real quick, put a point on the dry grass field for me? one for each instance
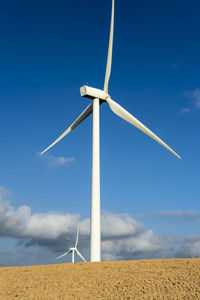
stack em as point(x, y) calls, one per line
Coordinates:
point(146, 279)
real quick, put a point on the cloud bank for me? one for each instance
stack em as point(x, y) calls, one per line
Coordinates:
point(40, 237)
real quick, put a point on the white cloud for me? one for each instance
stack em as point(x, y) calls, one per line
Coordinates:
point(185, 111)
point(144, 245)
point(4, 193)
point(119, 225)
point(190, 246)
point(20, 223)
point(195, 97)
point(52, 233)
point(55, 161)
point(185, 215)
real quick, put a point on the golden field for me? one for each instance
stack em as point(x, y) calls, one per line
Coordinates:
point(141, 279)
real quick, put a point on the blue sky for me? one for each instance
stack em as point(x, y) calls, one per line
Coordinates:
point(48, 50)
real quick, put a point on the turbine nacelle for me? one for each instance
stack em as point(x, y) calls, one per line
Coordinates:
point(92, 93)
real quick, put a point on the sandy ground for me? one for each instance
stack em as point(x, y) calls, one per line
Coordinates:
point(147, 279)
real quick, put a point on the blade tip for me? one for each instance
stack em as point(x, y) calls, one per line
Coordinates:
point(41, 153)
point(179, 157)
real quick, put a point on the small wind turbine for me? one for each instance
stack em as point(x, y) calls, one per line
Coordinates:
point(98, 97)
point(74, 249)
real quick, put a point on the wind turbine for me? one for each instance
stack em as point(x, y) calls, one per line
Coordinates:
point(98, 97)
point(74, 249)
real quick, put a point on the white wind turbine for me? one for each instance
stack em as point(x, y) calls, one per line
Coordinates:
point(98, 97)
point(74, 249)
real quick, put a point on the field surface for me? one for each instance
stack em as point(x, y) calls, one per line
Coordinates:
point(146, 279)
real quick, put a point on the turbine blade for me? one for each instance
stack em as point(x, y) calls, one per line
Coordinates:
point(121, 112)
point(82, 117)
point(63, 254)
point(77, 236)
point(110, 49)
point(80, 255)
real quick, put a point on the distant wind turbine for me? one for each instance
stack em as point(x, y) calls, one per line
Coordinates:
point(98, 97)
point(74, 249)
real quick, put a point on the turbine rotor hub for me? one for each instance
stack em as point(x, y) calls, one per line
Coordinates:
point(72, 249)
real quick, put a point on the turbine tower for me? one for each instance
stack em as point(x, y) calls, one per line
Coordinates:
point(74, 249)
point(98, 97)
